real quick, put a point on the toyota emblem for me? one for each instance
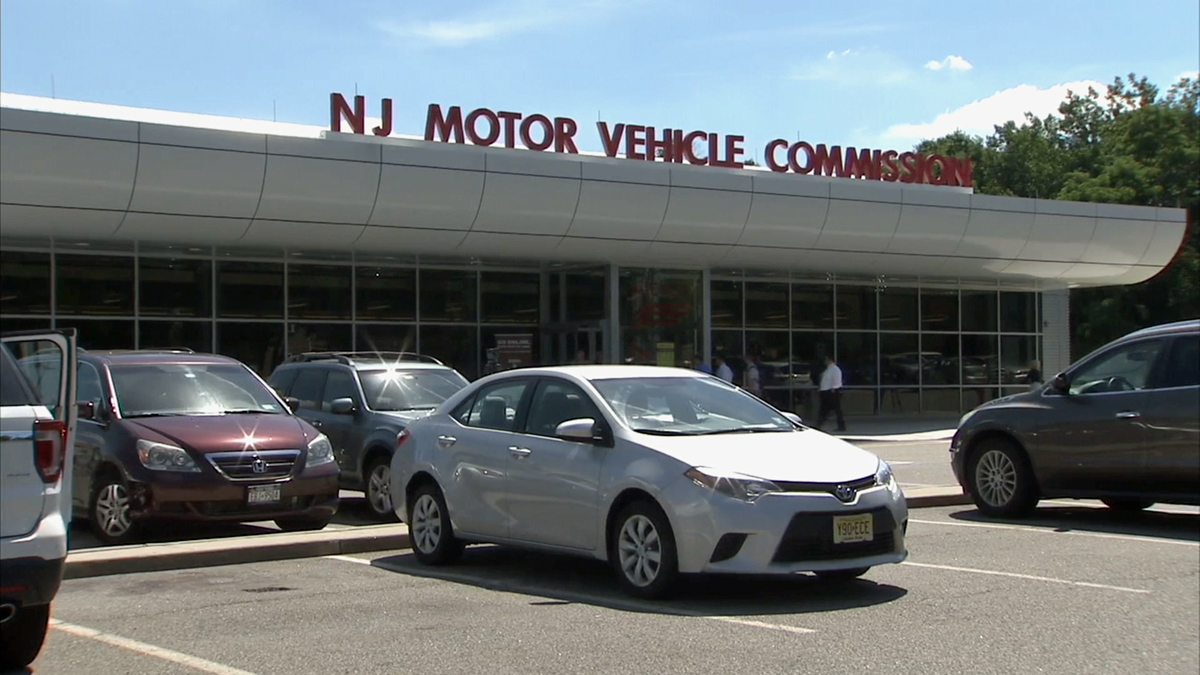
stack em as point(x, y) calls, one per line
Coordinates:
point(259, 465)
point(845, 493)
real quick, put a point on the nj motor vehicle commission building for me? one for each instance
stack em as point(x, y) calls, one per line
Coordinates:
point(493, 242)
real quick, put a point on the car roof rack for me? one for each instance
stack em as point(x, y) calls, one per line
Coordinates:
point(149, 350)
point(351, 358)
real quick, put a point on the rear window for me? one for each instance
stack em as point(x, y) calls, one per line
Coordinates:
point(14, 389)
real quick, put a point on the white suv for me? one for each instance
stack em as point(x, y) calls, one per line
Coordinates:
point(37, 428)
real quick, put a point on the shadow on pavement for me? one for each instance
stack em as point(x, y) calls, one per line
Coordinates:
point(569, 580)
point(1161, 524)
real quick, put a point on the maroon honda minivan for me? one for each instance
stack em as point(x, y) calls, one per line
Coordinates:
point(173, 435)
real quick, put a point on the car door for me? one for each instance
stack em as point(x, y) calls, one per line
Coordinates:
point(553, 483)
point(472, 454)
point(1094, 434)
point(1172, 422)
point(92, 432)
point(308, 390)
point(339, 427)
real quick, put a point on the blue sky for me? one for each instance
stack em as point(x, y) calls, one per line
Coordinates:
point(870, 74)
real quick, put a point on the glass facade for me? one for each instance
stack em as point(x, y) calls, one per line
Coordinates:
point(903, 347)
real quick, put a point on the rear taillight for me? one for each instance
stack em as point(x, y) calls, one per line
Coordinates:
point(49, 448)
point(401, 437)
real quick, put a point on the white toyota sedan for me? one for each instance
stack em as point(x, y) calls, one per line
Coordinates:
point(660, 471)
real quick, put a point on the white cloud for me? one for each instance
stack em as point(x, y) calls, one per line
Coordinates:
point(498, 21)
point(950, 63)
point(854, 67)
point(980, 117)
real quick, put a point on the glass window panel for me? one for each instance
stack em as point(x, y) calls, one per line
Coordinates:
point(974, 397)
point(773, 350)
point(385, 338)
point(1018, 312)
point(808, 357)
point(1184, 367)
point(726, 303)
point(900, 358)
point(1123, 368)
point(249, 290)
point(106, 334)
point(24, 282)
point(856, 308)
point(899, 401)
point(448, 295)
point(319, 291)
point(939, 310)
point(979, 313)
point(858, 402)
point(812, 306)
point(662, 308)
point(339, 384)
point(175, 287)
point(309, 386)
point(585, 296)
point(980, 360)
point(386, 293)
point(319, 337)
point(194, 335)
point(766, 305)
point(728, 344)
point(555, 288)
point(258, 345)
point(90, 285)
point(898, 309)
point(940, 401)
point(856, 357)
point(511, 297)
point(9, 324)
point(940, 362)
point(1018, 356)
point(456, 346)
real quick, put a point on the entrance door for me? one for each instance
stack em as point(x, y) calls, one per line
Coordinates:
point(570, 343)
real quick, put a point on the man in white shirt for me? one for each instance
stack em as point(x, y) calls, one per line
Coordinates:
point(723, 370)
point(831, 394)
point(752, 378)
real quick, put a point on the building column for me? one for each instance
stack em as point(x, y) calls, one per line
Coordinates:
point(1056, 332)
point(706, 315)
point(612, 300)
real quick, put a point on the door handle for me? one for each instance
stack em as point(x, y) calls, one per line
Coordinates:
point(1129, 415)
point(446, 441)
point(519, 453)
point(316, 423)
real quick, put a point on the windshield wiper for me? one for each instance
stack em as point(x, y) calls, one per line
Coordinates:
point(743, 430)
point(158, 414)
point(251, 411)
point(663, 432)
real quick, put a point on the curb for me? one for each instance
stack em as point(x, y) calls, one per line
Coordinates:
point(114, 560)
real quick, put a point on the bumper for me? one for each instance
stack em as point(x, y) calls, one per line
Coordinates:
point(958, 460)
point(782, 533)
point(314, 497)
point(29, 582)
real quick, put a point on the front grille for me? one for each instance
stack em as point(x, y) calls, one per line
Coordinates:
point(858, 485)
point(252, 465)
point(809, 537)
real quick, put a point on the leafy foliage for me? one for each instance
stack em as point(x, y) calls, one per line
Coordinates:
point(1127, 145)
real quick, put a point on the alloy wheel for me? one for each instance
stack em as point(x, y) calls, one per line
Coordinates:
point(996, 478)
point(112, 510)
point(426, 523)
point(379, 489)
point(639, 550)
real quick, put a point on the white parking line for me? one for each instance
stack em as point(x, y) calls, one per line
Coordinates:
point(1045, 530)
point(1027, 577)
point(194, 662)
point(589, 599)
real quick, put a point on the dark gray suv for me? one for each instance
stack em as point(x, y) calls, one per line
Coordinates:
point(1121, 425)
point(362, 401)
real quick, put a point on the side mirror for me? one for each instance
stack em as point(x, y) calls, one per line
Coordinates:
point(85, 410)
point(793, 417)
point(341, 406)
point(583, 430)
point(1060, 384)
point(292, 402)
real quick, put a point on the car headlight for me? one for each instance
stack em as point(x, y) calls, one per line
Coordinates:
point(883, 474)
point(738, 486)
point(165, 457)
point(320, 451)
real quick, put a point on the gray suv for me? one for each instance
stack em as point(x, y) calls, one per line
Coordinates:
point(361, 401)
point(1121, 425)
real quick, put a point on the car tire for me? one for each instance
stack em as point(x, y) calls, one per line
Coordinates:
point(842, 576)
point(302, 523)
point(1127, 504)
point(1000, 479)
point(429, 528)
point(377, 479)
point(22, 637)
point(108, 510)
point(641, 533)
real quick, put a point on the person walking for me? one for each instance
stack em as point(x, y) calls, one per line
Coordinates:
point(830, 393)
point(1034, 378)
point(752, 377)
point(701, 365)
point(722, 369)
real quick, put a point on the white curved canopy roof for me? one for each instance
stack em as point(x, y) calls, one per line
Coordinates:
point(75, 171)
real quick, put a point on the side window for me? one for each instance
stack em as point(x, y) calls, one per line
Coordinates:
point(89, 388)
point(1126, 368)
point(309, 386)
point(1183, 370)
point(340, 384)
point(281, 380)
point(13, 385)
point(496, 406)
point(462, 413)
point(556, 402)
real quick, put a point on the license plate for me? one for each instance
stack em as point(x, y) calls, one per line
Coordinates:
point(852, 529)
point(262, 494)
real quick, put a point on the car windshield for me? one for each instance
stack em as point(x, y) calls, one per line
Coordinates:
point(162, 389)
point(397, 390)
point(688, 406)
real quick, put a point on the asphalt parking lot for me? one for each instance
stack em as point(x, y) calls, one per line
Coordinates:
point(1077, 589)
